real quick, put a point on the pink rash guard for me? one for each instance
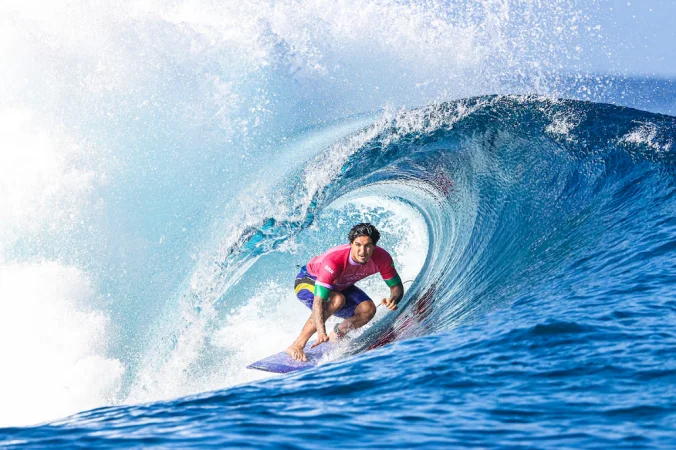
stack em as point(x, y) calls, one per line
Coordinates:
point(335, 270)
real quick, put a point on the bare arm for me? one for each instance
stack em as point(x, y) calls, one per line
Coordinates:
point(318, 315)
point(396, 293)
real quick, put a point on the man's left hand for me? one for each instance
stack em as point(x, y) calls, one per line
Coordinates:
point(389, 303)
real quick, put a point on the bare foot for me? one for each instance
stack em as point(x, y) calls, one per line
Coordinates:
point(296, 353)
point(333, 337)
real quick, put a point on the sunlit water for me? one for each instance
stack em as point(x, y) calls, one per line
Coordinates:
point(166, 167)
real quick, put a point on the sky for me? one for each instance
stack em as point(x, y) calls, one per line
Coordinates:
point(640, 36)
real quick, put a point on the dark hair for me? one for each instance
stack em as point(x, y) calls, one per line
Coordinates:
point(364, 229)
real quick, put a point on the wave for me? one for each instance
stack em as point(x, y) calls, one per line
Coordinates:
point(516, 198)
point(152, 198)
point(547, 225)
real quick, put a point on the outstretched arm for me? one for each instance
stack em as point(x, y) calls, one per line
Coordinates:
point(396, 293)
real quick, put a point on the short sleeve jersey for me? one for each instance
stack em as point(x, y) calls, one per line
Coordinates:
point(335, 269)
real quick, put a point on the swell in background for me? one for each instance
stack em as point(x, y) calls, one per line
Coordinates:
point(142, 141)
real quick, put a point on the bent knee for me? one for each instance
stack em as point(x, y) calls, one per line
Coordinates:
point(337, 300)
point(368, 309)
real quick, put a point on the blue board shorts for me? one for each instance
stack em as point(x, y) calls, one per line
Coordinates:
point(305, 291)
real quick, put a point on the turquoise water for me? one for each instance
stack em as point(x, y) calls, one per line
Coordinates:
point(169, 166)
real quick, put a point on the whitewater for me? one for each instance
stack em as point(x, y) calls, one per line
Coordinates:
point(166, 166)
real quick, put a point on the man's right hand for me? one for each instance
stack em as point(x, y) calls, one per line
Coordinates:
point(321, 338)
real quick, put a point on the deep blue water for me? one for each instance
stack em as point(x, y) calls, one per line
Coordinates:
point(166, 166)
point(543, 315)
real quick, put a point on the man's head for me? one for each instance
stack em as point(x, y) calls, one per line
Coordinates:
point(363, 239)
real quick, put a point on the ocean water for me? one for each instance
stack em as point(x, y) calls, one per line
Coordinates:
point(165, 166)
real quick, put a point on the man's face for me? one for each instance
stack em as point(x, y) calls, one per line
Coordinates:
point(361, 249)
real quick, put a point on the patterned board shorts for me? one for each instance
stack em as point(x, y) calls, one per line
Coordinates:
point(305, 291)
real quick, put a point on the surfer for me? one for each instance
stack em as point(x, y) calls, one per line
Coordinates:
point(326, 286)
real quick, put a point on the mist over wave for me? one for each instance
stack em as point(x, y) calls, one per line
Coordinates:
point(165, 166)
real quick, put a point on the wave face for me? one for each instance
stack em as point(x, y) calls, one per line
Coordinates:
point(166, 165)
point(541, 235)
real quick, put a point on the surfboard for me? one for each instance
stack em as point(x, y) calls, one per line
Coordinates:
point(283, 363)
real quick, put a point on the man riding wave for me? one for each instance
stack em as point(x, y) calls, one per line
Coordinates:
point(326, 286)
